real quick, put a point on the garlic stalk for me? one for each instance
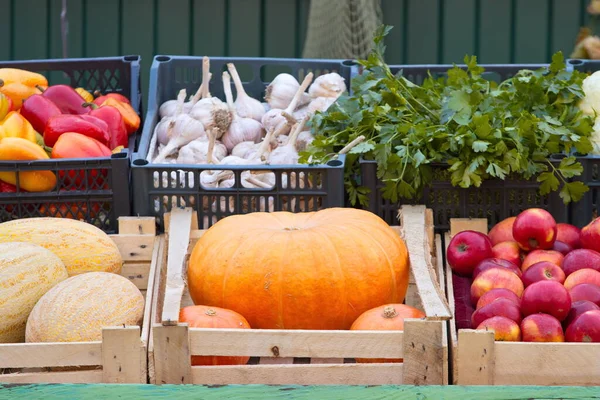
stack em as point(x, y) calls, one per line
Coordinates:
point(241, 129)
point(273, 118)
point(320, 104)
point(281, 91)
point(328, 85)
point(169, 108)
point(251, 150)
point(246, 106)
point(196, 152)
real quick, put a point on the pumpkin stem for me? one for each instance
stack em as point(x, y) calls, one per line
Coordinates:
point(210, 312)
point(389, 312)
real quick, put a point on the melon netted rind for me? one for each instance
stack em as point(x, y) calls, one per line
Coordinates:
point(78, 308)
point(27, 272)
point(81, 246)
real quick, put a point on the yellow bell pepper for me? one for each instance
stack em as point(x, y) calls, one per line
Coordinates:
point(87, 96)
point(27, 78)
point(19, 149)
point(16, 126)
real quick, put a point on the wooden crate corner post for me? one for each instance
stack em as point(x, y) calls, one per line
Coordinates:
point(123, 355)
point(475, 357)
point(171, 338)
point(424, 352)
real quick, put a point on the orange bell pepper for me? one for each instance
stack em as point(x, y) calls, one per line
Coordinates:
point(19, 149)
point(15, 125)
point(6, 105)
point(130, 117)
point(27, 78)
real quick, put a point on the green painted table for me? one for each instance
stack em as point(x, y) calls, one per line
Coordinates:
point(198, 392)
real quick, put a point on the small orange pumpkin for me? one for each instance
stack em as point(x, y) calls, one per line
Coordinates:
point(214, 317)
point(389, 317)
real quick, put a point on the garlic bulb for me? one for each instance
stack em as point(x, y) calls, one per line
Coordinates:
point(304, 139)
point(161, 128)
point(266, 106)
point(180, 132)
point(320, 104)
point(288, 154)
point(328, 85)
point(196, 152)
point(241, 129)
point(273, 118)
point(301, 113)
point(213, 113)
point(256, 151)
point(281, 91)
point(246, 106)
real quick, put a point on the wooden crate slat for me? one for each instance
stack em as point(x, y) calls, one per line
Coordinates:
point(305, 374)
point(94, 376)
point(36, 355)
point(134, 247)
point(296, 343)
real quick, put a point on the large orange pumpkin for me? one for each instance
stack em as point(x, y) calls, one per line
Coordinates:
point(389, 317)
point(214, 317)
point(317, 270)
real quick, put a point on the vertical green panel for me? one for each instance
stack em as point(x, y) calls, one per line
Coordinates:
point(244, 28)
point(565, 26)
point(280, 28)
point(173, 27)
point(137, 32)
point(102, 28)
point(75, 28)
point(393, 14)
point(30, 29)
point(531, 31)
point(209, 28)
point(494, 38)
point(423, 32)
point(459, 30)
point(5, 29)
point(302, 17)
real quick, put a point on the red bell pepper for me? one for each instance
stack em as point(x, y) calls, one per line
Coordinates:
point(101, 97)
point(76, 145)
point(66, 99)
point(60, 124)
point(38, 109)
point(116, 125)
point(130, 117)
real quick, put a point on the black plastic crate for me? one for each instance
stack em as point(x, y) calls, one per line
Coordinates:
point(159, 187)
point(95, 190)
point(495, 199)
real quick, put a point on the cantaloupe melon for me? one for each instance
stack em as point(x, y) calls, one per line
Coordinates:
point(81, 246)
point(79, 307)
point(27, 272)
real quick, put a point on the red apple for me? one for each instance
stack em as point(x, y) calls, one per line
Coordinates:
point(562, 247)
point(499, 307)
point(535, 228)
point(585, 291)
point(585, 328)
point(549, 297)
point(495, 278)
point(502, 231)
point(544, 270)
point(505, 330)
point(578, 308)
point(466, 250)
point(498, 293)
point(509, 251)
point(590, 235)
point(586, 275)
point(537, 256)
point(568, 234)
point(495, 263)
point(580, 259)
point(541, 328)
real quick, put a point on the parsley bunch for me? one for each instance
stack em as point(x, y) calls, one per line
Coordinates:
point(479, 128)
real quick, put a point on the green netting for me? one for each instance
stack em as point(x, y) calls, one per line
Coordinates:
point(341, 28)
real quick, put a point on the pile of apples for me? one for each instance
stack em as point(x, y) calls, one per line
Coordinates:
point(533, 280)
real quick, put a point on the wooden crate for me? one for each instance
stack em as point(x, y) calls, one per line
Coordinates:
point(300, 356)
point(122, 355)
point(477, 359)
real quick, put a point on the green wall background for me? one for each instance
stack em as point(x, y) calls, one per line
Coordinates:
point(426, 31)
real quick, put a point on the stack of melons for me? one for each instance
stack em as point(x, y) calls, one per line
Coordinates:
point(60, 282)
